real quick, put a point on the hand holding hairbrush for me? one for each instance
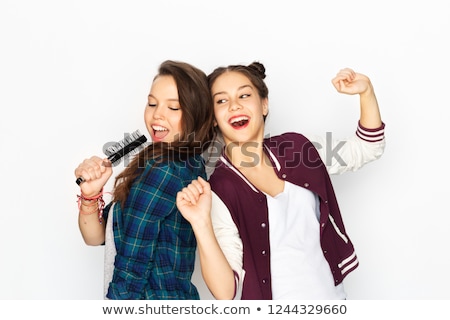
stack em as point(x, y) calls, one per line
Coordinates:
point(130, 145)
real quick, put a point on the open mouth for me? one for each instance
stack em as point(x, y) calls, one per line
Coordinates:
point(159, 132)
point(239, 122)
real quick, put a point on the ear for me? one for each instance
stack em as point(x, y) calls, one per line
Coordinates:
point(265, 106)
point(215, 122)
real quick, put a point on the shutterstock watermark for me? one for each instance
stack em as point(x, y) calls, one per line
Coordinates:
point(330, 150)
point(289, 152)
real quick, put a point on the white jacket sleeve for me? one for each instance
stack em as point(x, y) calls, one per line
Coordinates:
point(230, 242)
point(350, 154)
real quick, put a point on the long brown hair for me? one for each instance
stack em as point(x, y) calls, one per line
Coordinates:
point(197, 129)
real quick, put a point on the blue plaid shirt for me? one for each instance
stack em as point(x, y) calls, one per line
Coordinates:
point(155, 244)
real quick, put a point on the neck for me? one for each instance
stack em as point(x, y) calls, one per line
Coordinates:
point(245, 154)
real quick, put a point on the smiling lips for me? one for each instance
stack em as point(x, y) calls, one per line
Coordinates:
point(239, 122)
point(159, 132)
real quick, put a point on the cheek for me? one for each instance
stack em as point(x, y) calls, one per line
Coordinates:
point(176, 122)
point(148, 119)
point(147, 114)
point(219, 116)
point(221, 120)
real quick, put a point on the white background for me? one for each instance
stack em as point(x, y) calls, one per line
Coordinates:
point(75, 75)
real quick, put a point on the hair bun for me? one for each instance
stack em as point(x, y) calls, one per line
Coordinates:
point(258, 68)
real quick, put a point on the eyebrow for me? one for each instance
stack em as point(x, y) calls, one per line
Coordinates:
point(240, 88)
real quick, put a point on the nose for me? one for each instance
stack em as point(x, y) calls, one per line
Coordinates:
point(234, 105)
point(158, 113)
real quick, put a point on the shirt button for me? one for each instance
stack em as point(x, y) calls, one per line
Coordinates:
point(284, 175)
point(263, 225)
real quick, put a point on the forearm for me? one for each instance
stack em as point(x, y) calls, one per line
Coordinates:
point(92, 231)
point(216, 271)
point(370, 113)
point(90, 218)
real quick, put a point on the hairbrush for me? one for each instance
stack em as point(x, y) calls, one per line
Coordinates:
point(132, 144)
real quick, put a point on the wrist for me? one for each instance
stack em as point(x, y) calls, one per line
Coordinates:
point(91, 204)
point(91, 195)
point(368, 93)
point(201, 224)
point(88, 203)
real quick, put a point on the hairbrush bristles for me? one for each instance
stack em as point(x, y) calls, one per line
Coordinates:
point(131, 144)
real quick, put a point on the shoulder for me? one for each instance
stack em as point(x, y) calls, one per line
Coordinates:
point(190, 169)
point(223, 179)
point(226, 187)
point(287, 136)
point(193, 163)
point(288, 140)
point(292, 148)
point(221, 174)
point(175, 171)
point(158, 174)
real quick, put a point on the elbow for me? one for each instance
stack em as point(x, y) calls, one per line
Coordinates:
point(224, 296)
point(224, 290)
point(93, 241)
point(93, 244)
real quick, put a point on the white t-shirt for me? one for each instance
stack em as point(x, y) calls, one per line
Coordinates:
point(298, 267)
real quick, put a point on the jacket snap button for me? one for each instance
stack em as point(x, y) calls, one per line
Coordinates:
point(284, 175)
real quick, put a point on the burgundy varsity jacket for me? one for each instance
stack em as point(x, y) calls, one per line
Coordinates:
point(296, 160)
